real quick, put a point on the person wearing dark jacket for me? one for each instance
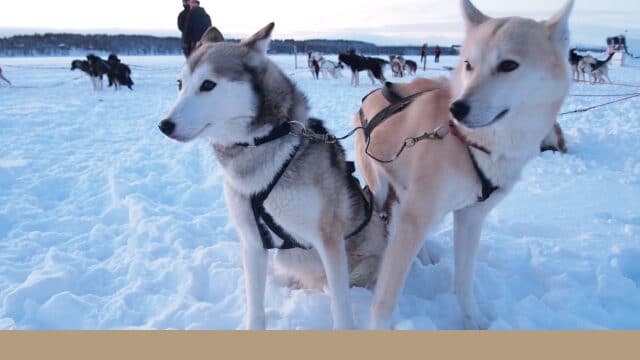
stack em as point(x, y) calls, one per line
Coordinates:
point(197, 21)
point(182, 19)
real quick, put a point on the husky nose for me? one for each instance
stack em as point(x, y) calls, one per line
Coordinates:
point(459, 109)
point(167, 126)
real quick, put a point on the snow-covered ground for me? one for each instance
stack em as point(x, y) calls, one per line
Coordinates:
point(107, 224)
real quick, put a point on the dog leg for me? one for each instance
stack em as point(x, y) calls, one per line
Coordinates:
point(254, 256)
point(467, 226)
point(334, 259)
point(554, 140)
point(371, 77)
point(5, 79)
point(406, 236)
point(377, 182)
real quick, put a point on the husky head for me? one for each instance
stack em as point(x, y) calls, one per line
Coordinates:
point(512, 78)
point(231, 93)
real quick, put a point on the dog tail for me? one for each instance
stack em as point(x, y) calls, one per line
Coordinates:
point(610, 57)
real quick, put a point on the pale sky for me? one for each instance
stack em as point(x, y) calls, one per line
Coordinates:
point(389, 22)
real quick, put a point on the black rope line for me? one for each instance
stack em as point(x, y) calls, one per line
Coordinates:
point(599, 106)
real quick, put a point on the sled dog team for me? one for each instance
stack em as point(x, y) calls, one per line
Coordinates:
point(598, 70)
point(468, 139)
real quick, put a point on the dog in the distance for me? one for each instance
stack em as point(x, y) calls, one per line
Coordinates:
point(4, 78)
point(234, 96)
point(598, 70)
point(98, 68)
point(397, 65)
point(119, 74)
point(574, 60)
point(491, 118)
point(328, 67)
point(410, 67)
point(373, 66)
point(85, 67)
point(313, 62)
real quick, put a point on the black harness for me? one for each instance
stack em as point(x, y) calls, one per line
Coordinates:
point(265, 222)
point(487, 186)
point(397, 103)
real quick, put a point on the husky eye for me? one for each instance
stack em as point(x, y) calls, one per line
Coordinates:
point(207, 85)
point(179, 85)
point(467, 65)
point(508, 66)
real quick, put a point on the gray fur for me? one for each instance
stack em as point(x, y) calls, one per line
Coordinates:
point(317, 165)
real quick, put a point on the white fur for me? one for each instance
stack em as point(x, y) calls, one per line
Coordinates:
point(430, 186)
point(221, 115)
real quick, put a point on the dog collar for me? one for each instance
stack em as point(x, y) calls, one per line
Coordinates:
point(276, 133)
point(456, 132)
point(487, 186)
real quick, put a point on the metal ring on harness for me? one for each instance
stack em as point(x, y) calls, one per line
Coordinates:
point(397, 104)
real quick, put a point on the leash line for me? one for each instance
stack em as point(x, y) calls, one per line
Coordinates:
point(35, 67)
point(602, 95)
point(298, 129)
point(599, 105)
point(610, 83)
point(54, 85)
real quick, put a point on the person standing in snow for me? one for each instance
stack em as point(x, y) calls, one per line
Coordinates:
point(197, 21)
point(182, 19)
point(437, 53)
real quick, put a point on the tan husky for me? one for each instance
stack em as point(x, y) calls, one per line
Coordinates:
point(502, 100)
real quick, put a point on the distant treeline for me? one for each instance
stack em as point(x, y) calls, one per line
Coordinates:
point(64, 44)
point(361, 47)
point(69, 44)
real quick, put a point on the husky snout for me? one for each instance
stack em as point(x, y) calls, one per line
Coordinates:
point(459, 109)
point(167, 127)
point(482, 115)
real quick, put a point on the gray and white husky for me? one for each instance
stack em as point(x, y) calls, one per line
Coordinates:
point(232, 95)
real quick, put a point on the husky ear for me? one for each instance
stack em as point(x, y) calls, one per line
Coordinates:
point(558, 26)
point(212, 35)
point(260, 40)
point(472, 16)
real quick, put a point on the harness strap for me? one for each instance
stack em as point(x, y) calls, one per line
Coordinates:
point(276, 133)
point(456, 132)
point(399, 104)
point(368, 210)
point(265, 221)
point(487, 186)
point(260, 214)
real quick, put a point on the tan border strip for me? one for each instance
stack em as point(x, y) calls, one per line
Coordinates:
point(187, 345)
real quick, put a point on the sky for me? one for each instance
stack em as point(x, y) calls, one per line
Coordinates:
point(391, 22)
